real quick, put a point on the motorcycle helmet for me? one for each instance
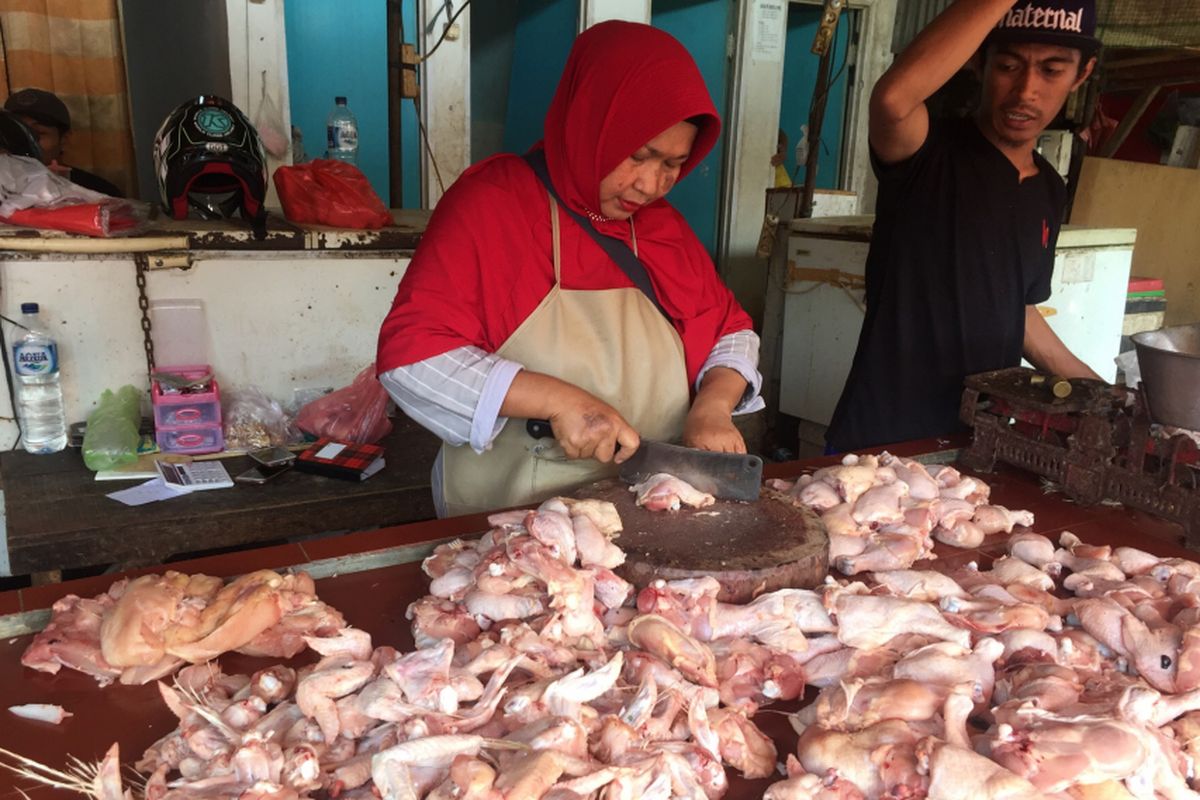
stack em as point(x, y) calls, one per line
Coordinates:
point(16, 138)
point(208, 157)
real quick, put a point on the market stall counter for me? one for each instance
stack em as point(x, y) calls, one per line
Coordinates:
point(373, 576)
point(59, 517)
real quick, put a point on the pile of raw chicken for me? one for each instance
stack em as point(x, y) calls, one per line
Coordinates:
point(1067, 671)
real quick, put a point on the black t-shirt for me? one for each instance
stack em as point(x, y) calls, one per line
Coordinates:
point(960, 246)
point(94, 182)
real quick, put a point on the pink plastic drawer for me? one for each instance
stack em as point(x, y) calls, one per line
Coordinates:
point(163, 394)
point(197, 439)
point(172, 415)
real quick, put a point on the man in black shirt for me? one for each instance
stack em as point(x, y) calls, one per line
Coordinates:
point(967, 218)
point(50, 121)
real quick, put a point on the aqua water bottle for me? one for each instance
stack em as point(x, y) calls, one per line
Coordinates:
point(39, 394)
point(341, 133)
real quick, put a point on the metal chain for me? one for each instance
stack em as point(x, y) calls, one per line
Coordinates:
point(143, 266)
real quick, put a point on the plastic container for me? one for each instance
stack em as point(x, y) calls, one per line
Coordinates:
point(39, 395)
point(195, 440)
point(184, 422)
point(341, 133)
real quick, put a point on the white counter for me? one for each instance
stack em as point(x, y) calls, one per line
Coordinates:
point(302, 313)
point(821, 322)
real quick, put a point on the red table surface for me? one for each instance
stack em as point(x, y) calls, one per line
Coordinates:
point(375, 600)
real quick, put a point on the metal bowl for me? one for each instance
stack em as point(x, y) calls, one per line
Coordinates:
point(1169, 359)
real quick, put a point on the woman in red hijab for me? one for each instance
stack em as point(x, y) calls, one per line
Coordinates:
point(510, 309)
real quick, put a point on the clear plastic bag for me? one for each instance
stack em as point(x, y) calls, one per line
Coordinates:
point(355, 413)
point(112, 437)
point(31, 194)
point(252, 419)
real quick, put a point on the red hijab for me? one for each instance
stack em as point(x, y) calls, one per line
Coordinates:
point(485, 260)
point(624, 84)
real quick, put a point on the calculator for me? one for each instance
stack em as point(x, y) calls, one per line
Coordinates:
point(194, 476)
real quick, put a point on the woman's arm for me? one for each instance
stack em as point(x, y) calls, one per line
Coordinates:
point(709, 424)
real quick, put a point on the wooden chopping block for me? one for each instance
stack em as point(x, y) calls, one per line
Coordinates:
point(750, 548)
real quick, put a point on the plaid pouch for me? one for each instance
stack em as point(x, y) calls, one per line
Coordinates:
point(347, 460)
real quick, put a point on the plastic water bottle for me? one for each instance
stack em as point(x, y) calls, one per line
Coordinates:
point(39, 395)
point(341, 129)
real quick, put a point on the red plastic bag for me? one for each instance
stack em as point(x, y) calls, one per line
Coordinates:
point(355, 413)
point(107, 218)
point(328, 192)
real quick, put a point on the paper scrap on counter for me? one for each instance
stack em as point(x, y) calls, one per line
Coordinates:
point(149, 492)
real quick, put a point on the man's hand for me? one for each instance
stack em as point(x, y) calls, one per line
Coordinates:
point(898, 120)
point(59, 169)
point(585, 425)
point(709, 424)
point(1047, 352)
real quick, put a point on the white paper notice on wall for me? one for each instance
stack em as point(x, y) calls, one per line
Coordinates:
point(767, 30)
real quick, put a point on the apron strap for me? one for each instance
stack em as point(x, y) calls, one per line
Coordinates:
point(554, 229)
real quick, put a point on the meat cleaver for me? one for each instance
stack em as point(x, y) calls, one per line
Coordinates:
point(726, 476)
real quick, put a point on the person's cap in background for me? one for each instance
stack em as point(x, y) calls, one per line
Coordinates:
point(43, 106)
point(1069, 23)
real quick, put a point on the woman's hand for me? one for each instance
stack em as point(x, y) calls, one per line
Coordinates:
point(709, 424)
point(712, 429)
point(584, 425)
point(587, 427)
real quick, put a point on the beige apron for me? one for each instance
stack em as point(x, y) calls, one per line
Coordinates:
point(612, 343)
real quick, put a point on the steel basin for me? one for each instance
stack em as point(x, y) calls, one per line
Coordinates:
point(1169, 359)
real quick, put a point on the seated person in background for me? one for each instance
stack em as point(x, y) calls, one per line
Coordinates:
point(50, 121)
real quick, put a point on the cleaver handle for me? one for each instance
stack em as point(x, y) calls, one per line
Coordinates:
point(539, 428)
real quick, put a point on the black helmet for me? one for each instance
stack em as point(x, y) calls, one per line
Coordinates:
point(16, 138)
point(208, 156)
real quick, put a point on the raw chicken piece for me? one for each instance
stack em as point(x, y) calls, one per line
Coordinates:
point(663, 492)
point(949, 664)
point(1009, 570)
point(659, 637)
point(1032, 548)
point(602, 513)
point(817, 495)
point(883, 550)
point(963, 533)
point(742, 745)
point(1154, 652)
point(72, 637)
point(594, 547)
point(850, 480)
point(1057, 753)
point(921, 485)
point(556, 531)
point(859, 757)
point(865, 621)
point(998, 519)
point(801, 785)
point(800, 609)
point(134, 632)
point(240, 611)
point(919, 584)
point(956, 773)
point(880, 505)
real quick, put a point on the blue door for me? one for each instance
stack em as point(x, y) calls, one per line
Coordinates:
point(799, 82)
point(702, 26)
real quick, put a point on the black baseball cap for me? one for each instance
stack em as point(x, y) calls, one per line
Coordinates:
point(1069, 23)
point(43, 106)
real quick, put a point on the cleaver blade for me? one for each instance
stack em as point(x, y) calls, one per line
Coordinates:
point(727, 476)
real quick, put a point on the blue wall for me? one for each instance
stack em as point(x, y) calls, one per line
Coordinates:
point(703, 27)
point(545, 30)
point(799, 80)
point(339, 47)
